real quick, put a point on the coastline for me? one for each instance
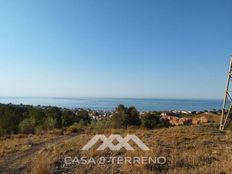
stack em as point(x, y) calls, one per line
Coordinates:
point(109, 104)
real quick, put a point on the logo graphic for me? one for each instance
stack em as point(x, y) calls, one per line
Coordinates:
point(108, 142)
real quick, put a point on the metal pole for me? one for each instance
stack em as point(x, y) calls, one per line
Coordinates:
point(225, 115)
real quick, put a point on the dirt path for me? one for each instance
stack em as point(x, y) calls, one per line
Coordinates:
point(17, 162)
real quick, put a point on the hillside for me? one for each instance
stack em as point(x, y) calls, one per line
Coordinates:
point(210, 116)
point(188, 149)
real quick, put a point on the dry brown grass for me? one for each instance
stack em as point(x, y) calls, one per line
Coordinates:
point(211, 116)
point(41, 164)
point(188, 149)
point(21, 142)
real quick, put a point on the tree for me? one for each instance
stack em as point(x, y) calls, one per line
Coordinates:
point(38, 116)
point(68, 118)
point(117, 120)
point(151, 120)
point(54, 113)
point(84, 116)
point(124, 117)
point(121, 108)
point(133, 119)
point(11, 116)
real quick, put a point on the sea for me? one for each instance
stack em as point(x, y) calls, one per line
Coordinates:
point(142, 104)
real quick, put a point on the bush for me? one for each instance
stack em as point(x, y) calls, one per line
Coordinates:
point(124, 117)
point(151, 120)
point(38, 129)
point(133, 117)
point(37, 115)
point(54, 116)
point(73, 129)
point(3, 132)
point(117, 120)
point(11, 116)
point(83, 117)
point(68, 118)
point(81, 123)
point(101, 124)
point(50, 123)
point(27, 126)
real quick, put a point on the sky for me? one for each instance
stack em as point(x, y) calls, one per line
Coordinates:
point(115, 48)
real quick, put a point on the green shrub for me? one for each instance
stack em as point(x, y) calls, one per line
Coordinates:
point(27, 126)
point(83, 117)
point(81, 123)
point(73, 129)
point(54, 117)
point(68, 118)
point(3, 132)
point(11, 116)
point(124, 117)
point(50, 123)
point(151, 121)
point(38, 129)
point(101, 124)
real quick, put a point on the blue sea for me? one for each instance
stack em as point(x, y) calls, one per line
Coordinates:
point(142, 104)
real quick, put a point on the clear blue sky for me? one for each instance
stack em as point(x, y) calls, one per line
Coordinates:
point(115, 48)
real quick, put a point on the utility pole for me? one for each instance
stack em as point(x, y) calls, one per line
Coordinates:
point(227, 103)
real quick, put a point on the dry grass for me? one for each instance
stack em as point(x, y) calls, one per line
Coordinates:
point(21, 142)
point(211, 116)
point(41, 164)
point(189, 150)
